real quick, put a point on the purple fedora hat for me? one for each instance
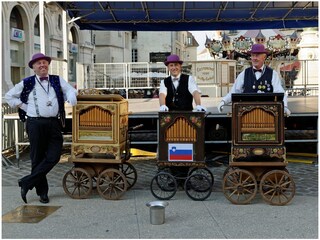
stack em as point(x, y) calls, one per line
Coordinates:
point(37, 57)
point(173, 59)
point(258, 48)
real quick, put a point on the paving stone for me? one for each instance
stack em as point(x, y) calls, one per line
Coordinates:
point(305, 175)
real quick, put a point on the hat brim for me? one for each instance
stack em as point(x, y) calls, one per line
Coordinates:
point(37, 59)
point(259, 52)
point(167, 62)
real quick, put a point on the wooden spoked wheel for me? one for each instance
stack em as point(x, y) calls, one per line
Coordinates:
point(239, 186)
point(111, 184)
point(277, 187)
point(77, 183)
point(163, 186)
point(198, 187)
point(130, 173)
point(228, 169)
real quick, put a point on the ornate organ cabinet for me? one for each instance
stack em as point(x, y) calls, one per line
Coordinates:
point(181, 138)
point(258, 128)
point(99, 127)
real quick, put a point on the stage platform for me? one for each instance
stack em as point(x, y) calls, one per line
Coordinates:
point(299, 106)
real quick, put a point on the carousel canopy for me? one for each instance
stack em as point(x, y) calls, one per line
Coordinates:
point(192, 15)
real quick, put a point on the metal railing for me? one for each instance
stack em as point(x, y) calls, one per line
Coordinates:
point(114, 76)
point(300, 78)
point(8, 130)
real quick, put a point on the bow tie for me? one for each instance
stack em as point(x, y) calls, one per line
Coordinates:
point(257, 70)
point(175, 79)
point(43, 78)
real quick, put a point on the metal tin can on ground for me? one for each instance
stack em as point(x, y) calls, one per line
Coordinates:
point(157, 212)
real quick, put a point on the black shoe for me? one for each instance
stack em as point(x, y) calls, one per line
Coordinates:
point(44, 198)
point(24, 192)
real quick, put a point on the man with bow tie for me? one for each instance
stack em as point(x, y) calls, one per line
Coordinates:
point(178, 90)
point(177, 93)
point(40, 100)
point(257, 79)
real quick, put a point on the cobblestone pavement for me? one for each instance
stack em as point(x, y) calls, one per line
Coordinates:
point(305, 175)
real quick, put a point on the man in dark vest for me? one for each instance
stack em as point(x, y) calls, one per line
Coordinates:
point(40, 98)
point(178, 90)
point(257, 79)
point(177, 93)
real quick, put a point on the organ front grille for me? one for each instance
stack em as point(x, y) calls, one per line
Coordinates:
point(257, 121)
point(95, 118)
point(181, 131)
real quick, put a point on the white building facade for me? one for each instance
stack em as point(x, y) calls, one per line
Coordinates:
point(21, 39)
point(142, 46)
point(112, 46)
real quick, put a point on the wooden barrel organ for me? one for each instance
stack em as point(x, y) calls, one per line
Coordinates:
point(181, 144)
point(100, 146)
point(258, 153)
point(100, 125)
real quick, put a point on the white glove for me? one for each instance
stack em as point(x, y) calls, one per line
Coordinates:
point(163, 108)
point(220, 106)
point(287, 112)
point(200, 108)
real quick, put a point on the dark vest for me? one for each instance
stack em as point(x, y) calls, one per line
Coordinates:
point(179, 99)
point(28, 85)
point(253, 85)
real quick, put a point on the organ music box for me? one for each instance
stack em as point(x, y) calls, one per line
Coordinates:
point(258, 127)
point(99, 127)
point(181, 138)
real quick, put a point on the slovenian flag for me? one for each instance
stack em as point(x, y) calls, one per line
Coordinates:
point(180, 152)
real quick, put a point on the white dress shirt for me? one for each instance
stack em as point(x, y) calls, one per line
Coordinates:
point(42, 97)
point(238, 86)
point(192, 85)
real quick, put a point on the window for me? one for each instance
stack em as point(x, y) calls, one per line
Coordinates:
point(59, 54)
point(16, 48)
point(37, 27)
point(134, 55)
point(15, 19)
point(189, 41)
point(134, 35)
point(93, 40)
point(126, 40)
point(60, 22)
point(73, 35)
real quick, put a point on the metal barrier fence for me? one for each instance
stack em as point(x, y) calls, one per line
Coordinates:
point(8, 137)
point(116, 75)
point(215, 77)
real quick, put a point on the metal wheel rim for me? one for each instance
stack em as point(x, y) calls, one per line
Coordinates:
point(239, 186)
point(111, 184)
point(277, 187)
point(130, 174)
point(198, 187)
point(163, 186)
point(77, 183)
point(204, 171)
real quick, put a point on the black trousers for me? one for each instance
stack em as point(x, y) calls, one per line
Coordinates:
point(46, 141)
